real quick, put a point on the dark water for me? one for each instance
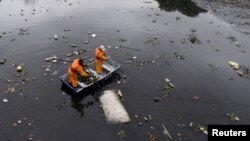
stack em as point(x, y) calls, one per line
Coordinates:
point(47, 113)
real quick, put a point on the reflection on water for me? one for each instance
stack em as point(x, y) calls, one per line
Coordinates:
point(30, 2)
point(186, 7)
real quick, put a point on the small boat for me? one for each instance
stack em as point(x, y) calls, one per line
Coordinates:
point(83, 83)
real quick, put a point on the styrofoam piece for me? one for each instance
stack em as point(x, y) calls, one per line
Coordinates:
point(113, 108)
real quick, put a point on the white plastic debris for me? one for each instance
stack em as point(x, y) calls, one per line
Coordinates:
point(19, 68)
point(5, 100)
point(167, 80)
point(233, 64)
point(93, 35)
point(113, 109)
point(55, 37)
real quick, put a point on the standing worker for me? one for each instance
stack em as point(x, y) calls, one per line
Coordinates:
point(76, 67)
point(100, 57)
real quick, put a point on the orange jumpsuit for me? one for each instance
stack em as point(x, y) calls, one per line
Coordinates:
point(100, 57)
point(73, 70)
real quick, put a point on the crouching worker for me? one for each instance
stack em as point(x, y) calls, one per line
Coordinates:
point(100, 58)
point(75, 68)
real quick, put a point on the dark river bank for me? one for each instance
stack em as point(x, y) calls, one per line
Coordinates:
point(146, 37)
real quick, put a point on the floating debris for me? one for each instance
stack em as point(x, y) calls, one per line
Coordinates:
point(19, 69)
point(213, 67)
point(2, 61)
point(10, 90)
point(232, 117)
point(194, 39)
point(233, 64)
point(157, 99)
point(86, 42)
point(179, 55)
point(199, 127)
point(136, 116)
point(165, 131)
point(55, 37)
point(195, 98)
point(168, 87)
point(5, 100)
point(73, 45)
point(151, 137)
point(122, 134)
point(232, 39)
point(54, 73)
point(113, 109)
point(93, 35)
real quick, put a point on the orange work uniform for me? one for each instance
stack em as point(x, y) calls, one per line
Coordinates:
point(100, 57)
point(73, 70)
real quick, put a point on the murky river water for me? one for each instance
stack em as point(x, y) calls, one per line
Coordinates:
point(152, 31)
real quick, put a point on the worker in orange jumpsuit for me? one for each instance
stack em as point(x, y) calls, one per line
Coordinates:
point(76, 67)
point(100, 58)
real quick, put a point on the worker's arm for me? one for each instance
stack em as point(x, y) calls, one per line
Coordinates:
point(81, 71)
point(102, 57)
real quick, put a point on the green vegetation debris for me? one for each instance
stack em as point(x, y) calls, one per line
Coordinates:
point(232, 117)
point(122, 134)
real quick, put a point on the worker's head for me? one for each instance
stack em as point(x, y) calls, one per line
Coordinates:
point(102, 48)
point(81, 62)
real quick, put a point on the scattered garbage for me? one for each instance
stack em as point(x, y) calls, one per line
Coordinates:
point(195, 98)
point(232, 116)
point(213, 67)
point(54, 73)
point(93, 35)
point(193, 38)
point(198, 127)
point(86, 42)
point(122, 134)
point(151, 137)
point(233, 64)
point(55, 37)
point(179, 55)
point(2, 61)
point(10, 90)
point(5, 100)
point(73, 45)
point(19, 69)
point(112, 107)
point(241, 70)
point(165, 131)
point(157, 99)
point(169, 86)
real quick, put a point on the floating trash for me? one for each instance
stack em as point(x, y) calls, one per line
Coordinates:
point(73, 45)
point(169, 86)
point(232, 116)
point(151, 137)
point(157, 99)
point(233, 64)
point(86, 42)
point(54, 73)
point(194, 39)
point(2, 61)
point(213, 67)
point(55, 37)
point(5, 100)
point(113, 109)
point(122, 134)
point(179, 55)
point(19, 69)
point(195, 98)
point(93, 35)
point(199, 127)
